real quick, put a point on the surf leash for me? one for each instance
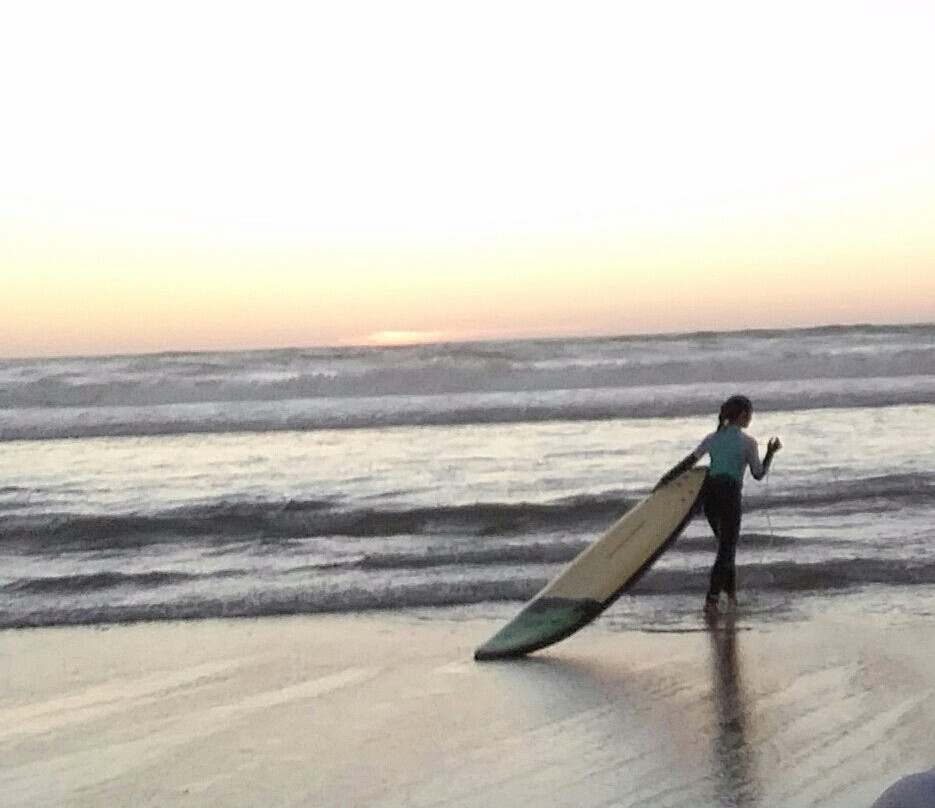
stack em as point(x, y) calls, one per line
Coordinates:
point(767, 506)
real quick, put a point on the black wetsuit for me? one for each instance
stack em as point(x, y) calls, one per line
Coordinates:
point(731, 452)
point(721, 498)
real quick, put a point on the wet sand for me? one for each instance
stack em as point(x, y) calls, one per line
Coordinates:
point(390, 710)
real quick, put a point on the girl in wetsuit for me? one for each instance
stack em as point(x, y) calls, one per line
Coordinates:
point(732, 451)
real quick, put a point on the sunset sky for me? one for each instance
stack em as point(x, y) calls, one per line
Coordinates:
point(193, 175)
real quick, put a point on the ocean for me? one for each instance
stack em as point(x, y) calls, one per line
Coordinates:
point(458, 477)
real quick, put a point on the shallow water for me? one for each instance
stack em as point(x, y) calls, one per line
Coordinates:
point(225, 521)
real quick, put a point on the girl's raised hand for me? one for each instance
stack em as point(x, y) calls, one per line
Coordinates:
point(774, 445)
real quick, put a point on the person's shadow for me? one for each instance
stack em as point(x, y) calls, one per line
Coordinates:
point(735, 776)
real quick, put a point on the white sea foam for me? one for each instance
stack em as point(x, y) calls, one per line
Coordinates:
point(464, 383)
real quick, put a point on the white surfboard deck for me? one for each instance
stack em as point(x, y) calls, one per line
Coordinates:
point(601, 572)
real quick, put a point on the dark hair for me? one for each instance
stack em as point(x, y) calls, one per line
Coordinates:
point(732, 409)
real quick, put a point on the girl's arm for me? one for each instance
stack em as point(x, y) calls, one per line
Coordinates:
point(686, 463)
point(675, 471)
point(773, 446)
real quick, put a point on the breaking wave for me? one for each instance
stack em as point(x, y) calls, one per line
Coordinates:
point(505, 382)
point(223, 521)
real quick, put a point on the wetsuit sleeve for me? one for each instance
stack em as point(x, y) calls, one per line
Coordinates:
point(675, 471)
point(703, 447)
point(686, 463)
point(757, 469)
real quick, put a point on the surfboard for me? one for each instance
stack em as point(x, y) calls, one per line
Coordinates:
point(601, 572)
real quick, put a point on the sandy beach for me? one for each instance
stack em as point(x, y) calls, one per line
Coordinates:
point(390, 710)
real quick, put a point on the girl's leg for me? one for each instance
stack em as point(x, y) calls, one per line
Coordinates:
point(730, 533)
point(722, 571)
point(712, 511)
point(722, 509)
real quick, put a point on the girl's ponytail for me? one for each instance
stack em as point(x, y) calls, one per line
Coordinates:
point(732, 409)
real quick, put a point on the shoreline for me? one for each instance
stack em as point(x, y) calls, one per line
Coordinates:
point(388, 709)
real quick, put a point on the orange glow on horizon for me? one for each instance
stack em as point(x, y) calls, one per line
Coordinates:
point(388, 339)
point(143, 297)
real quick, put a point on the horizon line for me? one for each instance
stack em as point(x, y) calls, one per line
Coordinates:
point(474, 340)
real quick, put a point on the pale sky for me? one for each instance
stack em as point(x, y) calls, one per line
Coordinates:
point(191, 175)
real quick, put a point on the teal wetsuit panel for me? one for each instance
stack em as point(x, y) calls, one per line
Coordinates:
point(727, 453)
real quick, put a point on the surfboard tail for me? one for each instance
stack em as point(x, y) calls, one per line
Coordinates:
point(601, 572)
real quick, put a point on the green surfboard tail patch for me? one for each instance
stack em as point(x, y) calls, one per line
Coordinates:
point(541, 623)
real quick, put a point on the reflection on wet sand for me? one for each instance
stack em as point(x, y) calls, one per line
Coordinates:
point(735, 777)
point(654, 729)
